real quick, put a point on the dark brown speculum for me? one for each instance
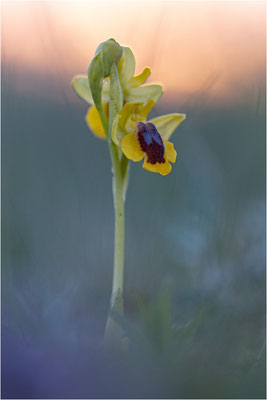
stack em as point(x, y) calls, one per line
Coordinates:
point(151, 142)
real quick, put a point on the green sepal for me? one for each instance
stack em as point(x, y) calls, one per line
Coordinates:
point(81, 87)
point(166, 124)
point(143, 93)
point(126, 66)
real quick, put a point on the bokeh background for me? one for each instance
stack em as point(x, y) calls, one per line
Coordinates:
point(200, 230)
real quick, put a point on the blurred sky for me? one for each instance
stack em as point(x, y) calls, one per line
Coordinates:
point(191, 46)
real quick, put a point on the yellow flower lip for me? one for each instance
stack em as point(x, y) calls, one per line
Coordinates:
point(150, 142)
point(146, 142)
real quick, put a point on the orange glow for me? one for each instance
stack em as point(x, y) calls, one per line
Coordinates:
point(190, 46)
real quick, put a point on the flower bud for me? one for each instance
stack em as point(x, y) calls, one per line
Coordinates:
point(112, 52)
point(95, 77)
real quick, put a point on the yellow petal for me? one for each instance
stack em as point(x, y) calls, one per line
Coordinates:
point(146, 108)
point(164, 168)
point(127, 112)
point(161, 168)
point(141, 78)
point(133, 112)
point(131, 147)
point(94, 123)
point(150, 167)
point(170, 152)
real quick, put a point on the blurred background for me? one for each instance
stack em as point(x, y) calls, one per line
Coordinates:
point(200, 230)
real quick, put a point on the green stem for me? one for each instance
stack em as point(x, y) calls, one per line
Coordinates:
point(117, 285)
point(120, 171)
point(116, 302)
point(103, 118)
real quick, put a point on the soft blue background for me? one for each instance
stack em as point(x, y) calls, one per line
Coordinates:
point(201, 229)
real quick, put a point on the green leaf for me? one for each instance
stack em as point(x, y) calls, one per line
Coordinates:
point(191, 329)
point(157, 320)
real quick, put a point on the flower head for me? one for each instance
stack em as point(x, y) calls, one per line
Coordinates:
point(140, 139)
point(123, 101)
point(132, 88)
point(130, 114)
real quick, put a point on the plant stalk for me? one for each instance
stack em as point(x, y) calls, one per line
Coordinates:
point(116, 302)
point(120, 170)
